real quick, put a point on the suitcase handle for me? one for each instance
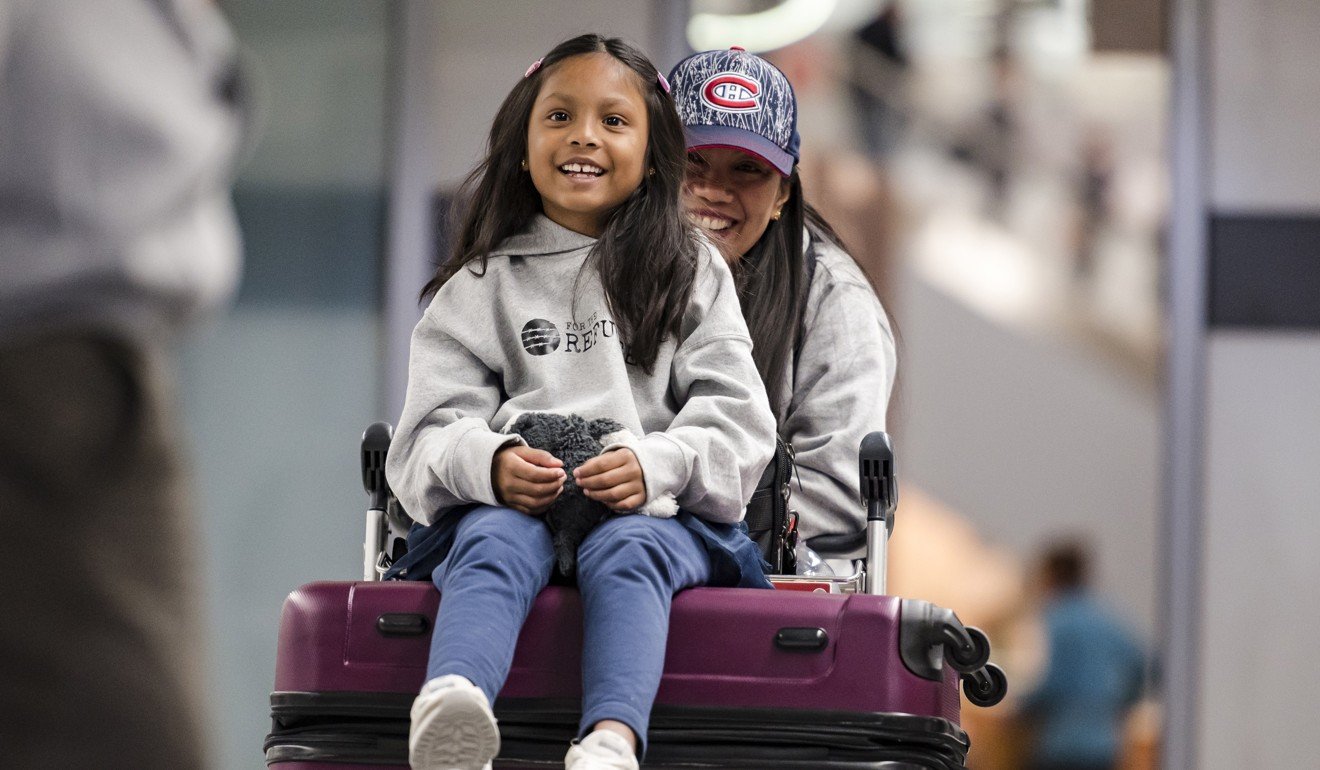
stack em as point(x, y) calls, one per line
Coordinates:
point(375, 447)
point(880, 495)
point(802, 639)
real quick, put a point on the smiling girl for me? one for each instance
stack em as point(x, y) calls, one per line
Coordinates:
point(574, 235)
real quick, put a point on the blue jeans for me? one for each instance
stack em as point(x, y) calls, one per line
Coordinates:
point(629, 569)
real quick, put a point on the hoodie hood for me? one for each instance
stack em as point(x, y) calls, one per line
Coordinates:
point(543, 237)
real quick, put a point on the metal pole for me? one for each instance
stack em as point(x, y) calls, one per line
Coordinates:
point(877, 546)
point(1184, 397)
point(371, 544)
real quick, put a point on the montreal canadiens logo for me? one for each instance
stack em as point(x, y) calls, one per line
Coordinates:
point(731, 92)
point(540, 337)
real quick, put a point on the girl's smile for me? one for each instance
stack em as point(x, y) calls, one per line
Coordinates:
point(586, 140)
point(582, 170)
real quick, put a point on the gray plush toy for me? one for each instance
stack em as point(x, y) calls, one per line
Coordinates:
point(575, 440)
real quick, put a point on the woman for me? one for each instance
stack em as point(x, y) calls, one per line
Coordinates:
point(823, 345)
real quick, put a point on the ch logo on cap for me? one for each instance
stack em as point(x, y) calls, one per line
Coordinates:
point(732, 92)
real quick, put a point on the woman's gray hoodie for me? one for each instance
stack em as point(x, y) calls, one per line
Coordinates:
point(835, 392)
point(534, 333)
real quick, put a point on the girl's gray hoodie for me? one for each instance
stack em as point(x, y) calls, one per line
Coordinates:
point(535, 333)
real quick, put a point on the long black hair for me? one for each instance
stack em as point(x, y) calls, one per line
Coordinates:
point(647, 253)
point(772, 284)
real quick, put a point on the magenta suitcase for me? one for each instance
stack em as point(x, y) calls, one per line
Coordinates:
point(775, 680)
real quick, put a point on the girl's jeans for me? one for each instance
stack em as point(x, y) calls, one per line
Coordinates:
point(629, 569)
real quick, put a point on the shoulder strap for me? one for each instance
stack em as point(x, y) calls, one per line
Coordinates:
point(809, 260)
point(811, 257)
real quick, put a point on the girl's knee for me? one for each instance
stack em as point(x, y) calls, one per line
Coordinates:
point(640, 546)
point(491, 521)
point(494, 533)
point(632, 531)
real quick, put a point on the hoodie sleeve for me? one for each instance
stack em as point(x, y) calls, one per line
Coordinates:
point(841, 387)
point(443, 445)
point(711, 456)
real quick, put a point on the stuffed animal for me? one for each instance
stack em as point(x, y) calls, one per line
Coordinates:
point(574, 440)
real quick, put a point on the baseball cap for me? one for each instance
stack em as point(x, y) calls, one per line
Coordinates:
point(737, 99)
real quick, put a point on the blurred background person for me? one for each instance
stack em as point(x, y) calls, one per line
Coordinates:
point(1093, 670)
point(876, 81)
point(119, 122)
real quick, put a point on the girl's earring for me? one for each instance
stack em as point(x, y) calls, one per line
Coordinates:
point(650, 172)
point(523, 164)
point(777, 214)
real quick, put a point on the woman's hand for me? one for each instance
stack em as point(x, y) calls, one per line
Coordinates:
point(614, 478)
point(526, 479)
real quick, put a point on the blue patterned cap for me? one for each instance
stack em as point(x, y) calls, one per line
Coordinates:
point(737, 99)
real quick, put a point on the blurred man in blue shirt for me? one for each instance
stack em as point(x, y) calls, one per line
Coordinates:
point(1093, 673)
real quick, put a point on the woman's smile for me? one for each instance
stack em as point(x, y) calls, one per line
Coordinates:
point(712, 222)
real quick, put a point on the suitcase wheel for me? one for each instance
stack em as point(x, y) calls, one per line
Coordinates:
point(967, 652)
point(985, 687)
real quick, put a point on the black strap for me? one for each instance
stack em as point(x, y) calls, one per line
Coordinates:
point(809, 262)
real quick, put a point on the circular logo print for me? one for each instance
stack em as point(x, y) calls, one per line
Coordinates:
point(540, 337)
point(732, 92)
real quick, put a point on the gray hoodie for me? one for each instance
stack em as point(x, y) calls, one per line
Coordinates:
point(835, 393)
point(534, 333)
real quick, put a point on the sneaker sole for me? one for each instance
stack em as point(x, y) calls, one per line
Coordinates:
point(456, 735)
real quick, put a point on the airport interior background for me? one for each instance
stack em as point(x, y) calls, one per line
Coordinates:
point(1001, 168)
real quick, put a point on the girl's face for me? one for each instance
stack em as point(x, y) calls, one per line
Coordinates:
point(732, 195)
point(586, 140)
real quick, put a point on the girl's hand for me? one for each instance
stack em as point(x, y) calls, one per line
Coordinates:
point(526, 479)
point(614, 478)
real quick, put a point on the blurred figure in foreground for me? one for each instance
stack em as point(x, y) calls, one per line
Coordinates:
point(118, 126)
point(1093, 672)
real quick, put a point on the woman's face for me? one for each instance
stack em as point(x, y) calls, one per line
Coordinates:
point(732, 196)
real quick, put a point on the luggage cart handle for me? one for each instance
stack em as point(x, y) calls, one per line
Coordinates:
point(375, 446)
point(879, 488)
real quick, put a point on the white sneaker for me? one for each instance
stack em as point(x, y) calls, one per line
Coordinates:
point(452, 728)
point(602, 750)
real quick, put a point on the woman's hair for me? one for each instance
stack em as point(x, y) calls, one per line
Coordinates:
point(772, 285)
point(647, 253)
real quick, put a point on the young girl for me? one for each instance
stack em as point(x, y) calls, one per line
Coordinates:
point(575, 287)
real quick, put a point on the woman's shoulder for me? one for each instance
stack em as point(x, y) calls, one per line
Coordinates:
point(839, 287)
point(836, 266)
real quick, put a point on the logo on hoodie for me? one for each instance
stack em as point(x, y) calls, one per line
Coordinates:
point(541, 337)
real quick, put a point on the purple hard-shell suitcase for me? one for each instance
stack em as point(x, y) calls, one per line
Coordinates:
point(753, 679)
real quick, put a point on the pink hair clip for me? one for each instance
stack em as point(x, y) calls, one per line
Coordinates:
point(663, 83)
point(536, 65)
